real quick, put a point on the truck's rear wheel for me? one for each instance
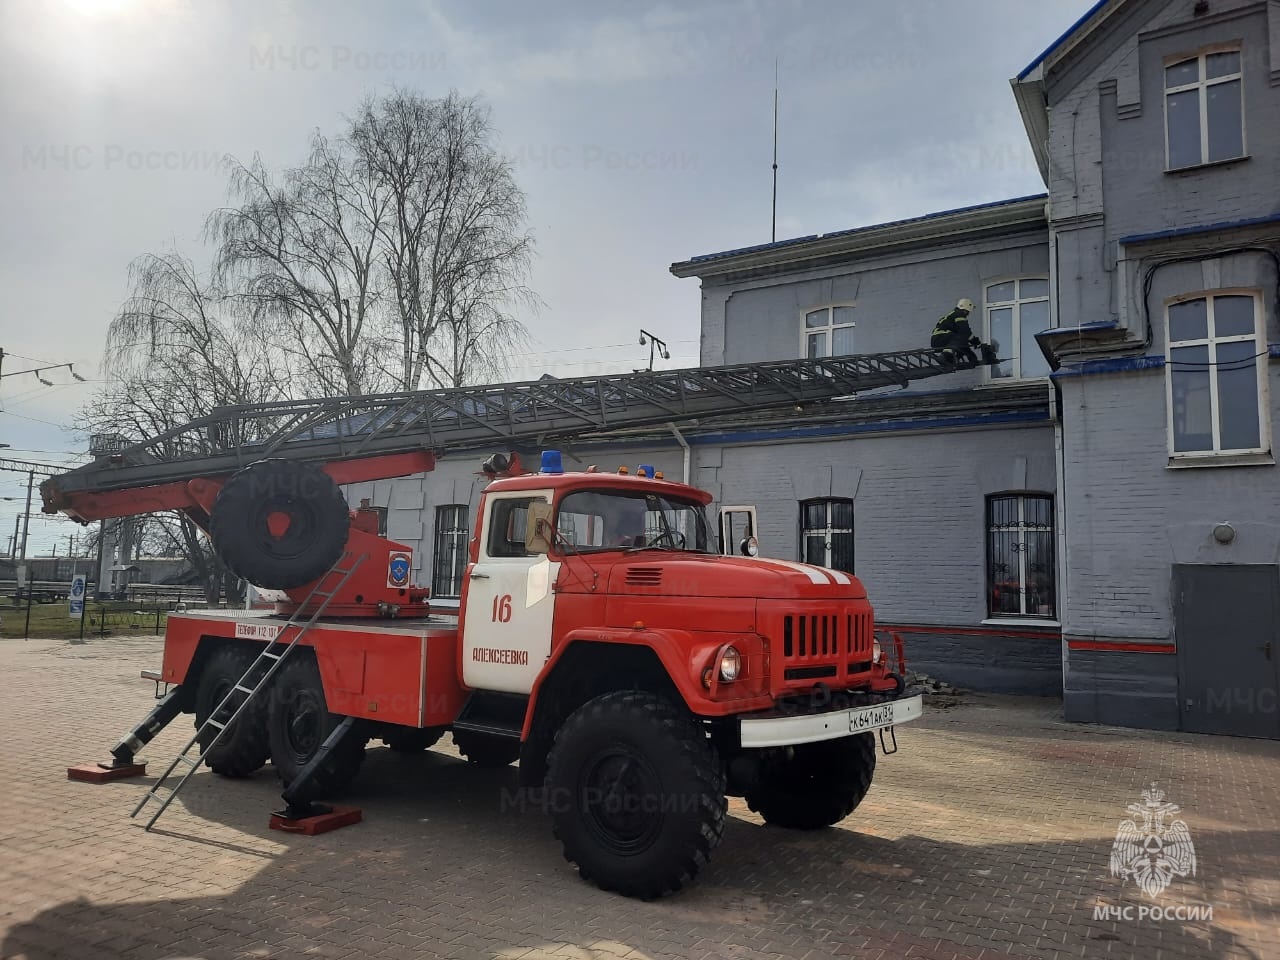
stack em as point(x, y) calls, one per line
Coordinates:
point(492, 752)
point(637, 793)
point(817, 784)
point(412, 739)
point(298, 723)
point(243, 746)
point(279, 524)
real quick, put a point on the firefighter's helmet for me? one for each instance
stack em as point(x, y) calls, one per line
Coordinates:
point(966, 305)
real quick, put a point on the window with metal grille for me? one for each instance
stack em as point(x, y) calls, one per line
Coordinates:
point(451, 551)
point(826, 533)
point(1021, 578)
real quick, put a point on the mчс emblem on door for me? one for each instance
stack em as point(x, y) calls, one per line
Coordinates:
point(398, 565)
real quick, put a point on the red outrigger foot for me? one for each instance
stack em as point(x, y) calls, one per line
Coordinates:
point(105, 772)
point(322, 821)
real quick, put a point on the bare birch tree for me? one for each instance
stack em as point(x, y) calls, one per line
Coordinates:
point(393, 259)
point(173, 354)
point(453, 242)
point(301, 254)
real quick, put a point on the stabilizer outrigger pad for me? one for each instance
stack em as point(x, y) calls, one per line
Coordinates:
point(106, 772)
point(314, 818)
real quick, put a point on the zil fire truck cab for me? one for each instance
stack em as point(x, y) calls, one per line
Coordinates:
point(637, 675)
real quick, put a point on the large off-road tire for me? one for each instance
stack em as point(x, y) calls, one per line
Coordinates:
point(637, 794)
point(490, 752)
point(298, 722)
point(412, 739)
point(242, 748)
point(817, 785)
point(279, 524)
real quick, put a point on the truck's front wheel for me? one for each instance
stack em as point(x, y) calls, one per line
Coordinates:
point(637, 794)
point(815, 784)
point(298, 723)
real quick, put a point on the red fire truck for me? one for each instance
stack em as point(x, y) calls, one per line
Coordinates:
point(637, 675)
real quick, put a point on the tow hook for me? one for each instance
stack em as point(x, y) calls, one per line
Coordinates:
point(893, 738)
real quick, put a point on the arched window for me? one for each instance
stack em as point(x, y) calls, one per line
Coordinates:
point(827, 332)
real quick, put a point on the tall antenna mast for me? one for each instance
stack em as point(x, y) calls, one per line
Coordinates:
point(773, 230)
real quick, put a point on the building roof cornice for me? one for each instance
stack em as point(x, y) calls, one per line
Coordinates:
point(966, 222)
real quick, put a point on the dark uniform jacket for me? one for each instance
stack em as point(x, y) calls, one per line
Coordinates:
point(953, 330)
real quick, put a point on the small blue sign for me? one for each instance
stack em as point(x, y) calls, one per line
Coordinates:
point(75, 605)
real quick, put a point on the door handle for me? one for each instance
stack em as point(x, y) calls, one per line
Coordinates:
point(1266, 649)
point(479, 576)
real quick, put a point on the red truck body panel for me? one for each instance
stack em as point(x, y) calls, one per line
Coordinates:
point(402, 672)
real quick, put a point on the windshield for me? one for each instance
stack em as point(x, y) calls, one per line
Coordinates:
point(592, 520)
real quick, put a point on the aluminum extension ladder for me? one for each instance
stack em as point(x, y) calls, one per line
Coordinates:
point(274, 654)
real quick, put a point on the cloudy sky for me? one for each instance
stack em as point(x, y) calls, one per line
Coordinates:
point(641, 133)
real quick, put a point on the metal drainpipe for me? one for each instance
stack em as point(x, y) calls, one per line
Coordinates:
point(684, 444)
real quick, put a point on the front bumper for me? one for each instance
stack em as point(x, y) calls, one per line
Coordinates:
point(780, 730)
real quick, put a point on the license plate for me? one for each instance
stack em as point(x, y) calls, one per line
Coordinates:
point(868, 718)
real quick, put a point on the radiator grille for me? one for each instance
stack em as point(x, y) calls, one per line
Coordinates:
point(824, 635)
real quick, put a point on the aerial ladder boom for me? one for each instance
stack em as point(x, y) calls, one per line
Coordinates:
point(381, 427)
point(192, 468)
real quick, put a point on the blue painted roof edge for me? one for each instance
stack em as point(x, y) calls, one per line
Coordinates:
point(1048, 51)
point(755, 248)
point(1204, 228)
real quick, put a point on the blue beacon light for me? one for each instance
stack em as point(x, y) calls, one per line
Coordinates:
point(551, 462)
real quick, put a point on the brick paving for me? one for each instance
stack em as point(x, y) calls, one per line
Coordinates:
point(988, 835)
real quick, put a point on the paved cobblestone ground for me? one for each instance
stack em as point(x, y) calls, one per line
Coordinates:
point(988, 835)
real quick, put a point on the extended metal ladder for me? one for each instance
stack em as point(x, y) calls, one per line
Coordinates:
point(461, 418)
point(247, 686)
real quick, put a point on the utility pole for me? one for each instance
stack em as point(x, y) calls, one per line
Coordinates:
point(773, 230)
point(26, 525)
point(30, 469)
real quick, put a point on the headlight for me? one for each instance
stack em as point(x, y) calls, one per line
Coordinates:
point(875, 651)
point(730, 664)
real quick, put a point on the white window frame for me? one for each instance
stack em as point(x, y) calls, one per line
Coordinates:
point(1016, 303)
point(1259, 339)
point(829, 329)
point(1202, 83)
point(1022, 529)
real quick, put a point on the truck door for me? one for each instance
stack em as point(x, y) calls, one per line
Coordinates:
point(737, 526)
point(506, 625)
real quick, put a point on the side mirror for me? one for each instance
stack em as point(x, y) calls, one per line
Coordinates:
point(538, 529)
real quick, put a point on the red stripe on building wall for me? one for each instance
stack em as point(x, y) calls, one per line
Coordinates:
point(1121, 645)
point(1049, 633)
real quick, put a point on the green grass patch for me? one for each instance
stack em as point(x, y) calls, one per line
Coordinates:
point(52, 621)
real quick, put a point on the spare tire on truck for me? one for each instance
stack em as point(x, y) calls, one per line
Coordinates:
point(279, 524)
